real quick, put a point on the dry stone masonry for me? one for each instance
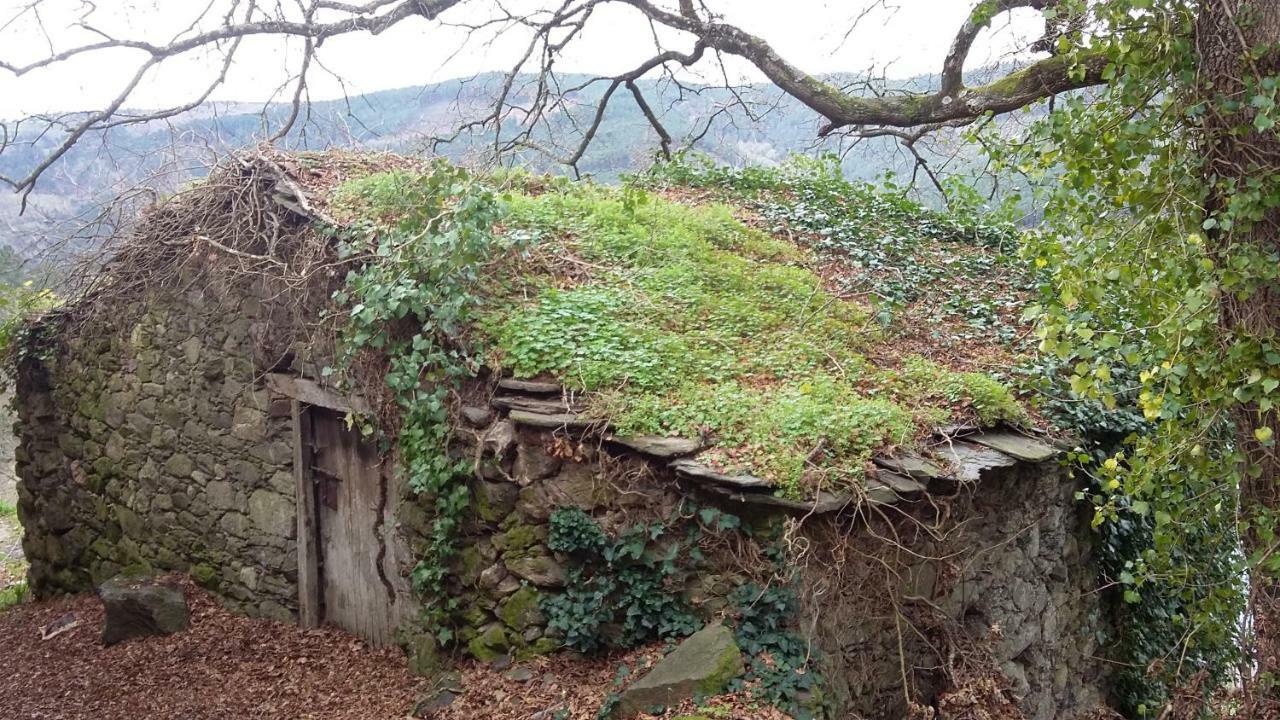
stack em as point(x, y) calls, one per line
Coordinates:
point(152, 443)
point(1006, 566)
point(161, 436)
point(159, 445)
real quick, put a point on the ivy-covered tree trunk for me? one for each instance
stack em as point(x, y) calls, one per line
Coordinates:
point(1238, 43)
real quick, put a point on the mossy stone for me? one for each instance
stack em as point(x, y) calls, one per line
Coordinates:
point(204, 575)
point(72, 580)
point(475, 616)
point(541, 646)
point(139, 569)
point(493, 501)
point(102, 548)
point(131, 524)
point(469, 565)
point(103, 467)
point(521, 610)
point(541, 570)
point(699, 667)
point(423, 652)
point(492, 643)
point(519, 540)
point(412, 517)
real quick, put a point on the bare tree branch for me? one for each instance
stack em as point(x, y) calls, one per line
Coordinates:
point(978, 20)
point(663, 136)
point(1041, 80)
point(531, 105)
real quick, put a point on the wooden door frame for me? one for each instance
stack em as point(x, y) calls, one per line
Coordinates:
point(309, 587)
point(303, 395)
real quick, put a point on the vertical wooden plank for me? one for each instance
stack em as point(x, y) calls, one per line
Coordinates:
point(308, 550)
point(358, 576)
point(360, 588)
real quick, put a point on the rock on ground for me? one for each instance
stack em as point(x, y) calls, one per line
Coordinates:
point(141, 606)
point(701, 666)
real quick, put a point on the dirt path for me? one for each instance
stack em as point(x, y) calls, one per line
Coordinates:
point(224, 666)
point(12, 565)
point(13, 569)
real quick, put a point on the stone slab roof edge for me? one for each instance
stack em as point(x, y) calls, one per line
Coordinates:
point(959, 453)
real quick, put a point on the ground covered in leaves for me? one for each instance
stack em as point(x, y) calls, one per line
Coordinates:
point(224, 666)
point(568, 688)
point(229, 666)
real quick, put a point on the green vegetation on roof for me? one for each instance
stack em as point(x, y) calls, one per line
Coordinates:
point(681, 319)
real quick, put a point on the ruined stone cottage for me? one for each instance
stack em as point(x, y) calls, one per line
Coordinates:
point(178, 415)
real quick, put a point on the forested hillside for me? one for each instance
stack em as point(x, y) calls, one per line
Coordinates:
point(160, 156)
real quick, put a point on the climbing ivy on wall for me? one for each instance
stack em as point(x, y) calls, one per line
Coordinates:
point(625, 589)
point(1138, 264)
point(422, 247)
point(780, 660)
point(1156, 642)
point(630, 582)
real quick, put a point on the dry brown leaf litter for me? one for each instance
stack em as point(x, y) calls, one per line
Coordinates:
point(224, 666)
point(229, 666)
point(563, 688)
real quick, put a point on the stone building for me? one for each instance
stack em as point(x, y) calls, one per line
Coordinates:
point(179, 426)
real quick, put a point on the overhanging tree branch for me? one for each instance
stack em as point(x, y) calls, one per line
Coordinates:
point(1039, 81)
point(552, 29)
point(978, 20)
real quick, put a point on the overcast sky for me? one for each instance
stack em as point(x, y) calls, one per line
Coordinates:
point(905, 38)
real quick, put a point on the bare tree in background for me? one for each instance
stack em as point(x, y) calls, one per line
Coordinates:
point(687, 36)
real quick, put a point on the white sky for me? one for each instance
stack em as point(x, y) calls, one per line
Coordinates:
point(908, 38)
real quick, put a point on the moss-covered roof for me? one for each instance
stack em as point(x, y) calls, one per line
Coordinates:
point(795, 323)
point(798, 323)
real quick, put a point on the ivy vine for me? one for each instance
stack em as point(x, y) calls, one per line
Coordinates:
point(626, 589)
point(410, 300)
point(630, 582)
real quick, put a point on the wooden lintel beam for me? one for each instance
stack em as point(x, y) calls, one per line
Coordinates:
point(313, 393)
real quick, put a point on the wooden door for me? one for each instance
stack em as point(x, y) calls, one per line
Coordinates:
point(358, 579)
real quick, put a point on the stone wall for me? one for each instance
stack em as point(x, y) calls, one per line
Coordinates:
point(939, 586)
point(524, 473)
point(147, 440)
point(991, 580)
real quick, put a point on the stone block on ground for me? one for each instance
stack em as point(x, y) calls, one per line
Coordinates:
point(141, 606)
point(701, 666)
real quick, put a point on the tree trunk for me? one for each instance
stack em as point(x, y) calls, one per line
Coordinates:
point(1238, 41)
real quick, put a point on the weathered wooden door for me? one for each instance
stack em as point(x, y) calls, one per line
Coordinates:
point(358, 578)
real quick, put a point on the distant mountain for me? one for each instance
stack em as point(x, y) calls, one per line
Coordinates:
point(159, 156)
